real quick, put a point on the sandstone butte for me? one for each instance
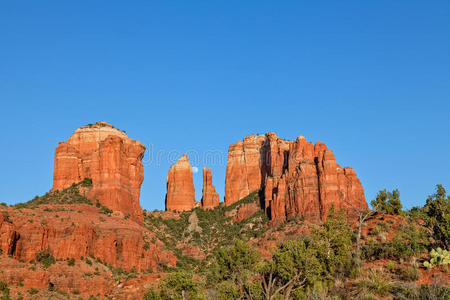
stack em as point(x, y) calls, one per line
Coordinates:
point(210, 198)
point(180, 186)
point(297, 177)
point(111, 159)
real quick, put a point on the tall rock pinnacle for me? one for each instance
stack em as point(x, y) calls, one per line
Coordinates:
point(180, 186)
point(210, 198)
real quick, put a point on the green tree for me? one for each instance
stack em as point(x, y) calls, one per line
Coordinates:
point(228, 290)
point(294, 265)
point(151, 295)
point(178, 285)
point(333, 241)
point(388, 202)
point(236, 265)
point(436, 214)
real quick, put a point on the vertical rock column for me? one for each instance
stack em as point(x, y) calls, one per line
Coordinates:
point(210, 198)
point(180, 186)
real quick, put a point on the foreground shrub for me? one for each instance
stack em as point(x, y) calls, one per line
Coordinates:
point(409, 273)
point(151, 295)
point(178, 285)
point(375, 282)
point(436, 214)
point(424, 292)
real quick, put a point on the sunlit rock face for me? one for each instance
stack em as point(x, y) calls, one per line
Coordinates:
point(180, 186)
point(210, 198)
point(297, 177)
point(111, 159)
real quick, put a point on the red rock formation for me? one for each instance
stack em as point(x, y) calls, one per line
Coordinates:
point(180, 186)
point(210, 198)
point(244, 167)
point(111, 159)
point(298, 179)
point(75, 231)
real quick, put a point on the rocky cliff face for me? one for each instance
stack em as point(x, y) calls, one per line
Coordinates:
point(210, 198)
point(75, 231)
point(180, 186)
point(244, 166)
point(111, 159)
point(298, 178)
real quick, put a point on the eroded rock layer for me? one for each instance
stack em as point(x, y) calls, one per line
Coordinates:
point(111, 159)
point(76, 231)
point(298, 178)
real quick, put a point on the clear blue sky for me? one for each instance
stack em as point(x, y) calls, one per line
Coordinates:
point(371, 79)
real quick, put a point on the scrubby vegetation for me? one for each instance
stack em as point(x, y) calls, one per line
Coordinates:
point(322, 263)
point(387, 253)
point(388, 202)
point(207, 229)
point(70, 195)
point(4, 290)
point(45, 258)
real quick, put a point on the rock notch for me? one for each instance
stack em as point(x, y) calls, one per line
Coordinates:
point(210, 198)
point(180, 186)
point(111, 159)
point(298, 178)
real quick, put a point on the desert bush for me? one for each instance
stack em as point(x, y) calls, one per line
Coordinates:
point(228, 290)
point(390, 266)
point(33, 291)
point(408, 242)
point(436, 214)
point(151, 295)
point(178, 284)
point(45, 258)
point(71, 262)
point(87, 182)
point(379, 228)
point(375, 282)
point(333, 241)
point(409, 273)
point(388, 202)
point(4, 290)
point(423, 292)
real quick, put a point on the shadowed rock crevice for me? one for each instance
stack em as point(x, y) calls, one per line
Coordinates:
point(13, 245)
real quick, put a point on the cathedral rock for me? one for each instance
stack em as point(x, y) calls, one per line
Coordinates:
point(297, 178)
point(111, 159)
